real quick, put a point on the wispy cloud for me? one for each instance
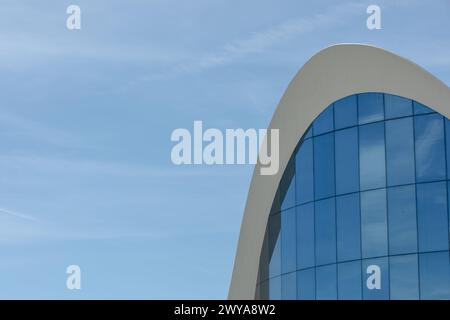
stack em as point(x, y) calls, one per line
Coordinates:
point(90, 167)
point(31, 48)
point(17, 214)
point(260, 41)
point(18, 126)
point(29, 230)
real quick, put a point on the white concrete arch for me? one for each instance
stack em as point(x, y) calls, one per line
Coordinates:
point(331, 74)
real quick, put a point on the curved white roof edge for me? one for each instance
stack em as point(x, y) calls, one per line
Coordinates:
point(331, 74)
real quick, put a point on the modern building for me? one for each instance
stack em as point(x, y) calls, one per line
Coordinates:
point(360, 206)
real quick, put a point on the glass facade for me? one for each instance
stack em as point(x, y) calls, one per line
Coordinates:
point(362, 210)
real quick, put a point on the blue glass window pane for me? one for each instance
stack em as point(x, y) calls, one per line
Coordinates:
point(289, 196)
point(373, 223)
point(324, 166)
point(304, 172)
point(448, 201)
point(371, 279)
point(306, 284)
point(434, 275)
point(325, 227)
point(275, 288)
point(432, 216)
point(274, 245)
point(347, 160)
point(404, 276)
point(402, 220)
point(372, 156)
point(289, 286)
point(349, 281)
point(400, 151)
point(430, 147)
point(288, 241)
point(370, 107)
point(348, 227)
point(287, 187)
point(447, 140)
point(305, 236)
point(396, 106)
point(420, 108)
point(326, 280)
point(308, 133)
point(324, 122)
point(345, 112)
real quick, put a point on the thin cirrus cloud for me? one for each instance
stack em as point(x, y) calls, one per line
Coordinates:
point(91, 167)
point(27, 229)
point(18, 126)
point(30, 49)
point(263, 40)
point(16, 214)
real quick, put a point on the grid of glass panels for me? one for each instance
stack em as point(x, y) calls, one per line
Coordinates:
point(362, 211)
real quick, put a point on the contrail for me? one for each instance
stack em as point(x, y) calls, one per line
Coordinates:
point(17, 214)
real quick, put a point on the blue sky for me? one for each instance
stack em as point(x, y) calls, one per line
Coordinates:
point(86, 118)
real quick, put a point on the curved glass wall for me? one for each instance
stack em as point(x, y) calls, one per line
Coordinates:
point(362, 211)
